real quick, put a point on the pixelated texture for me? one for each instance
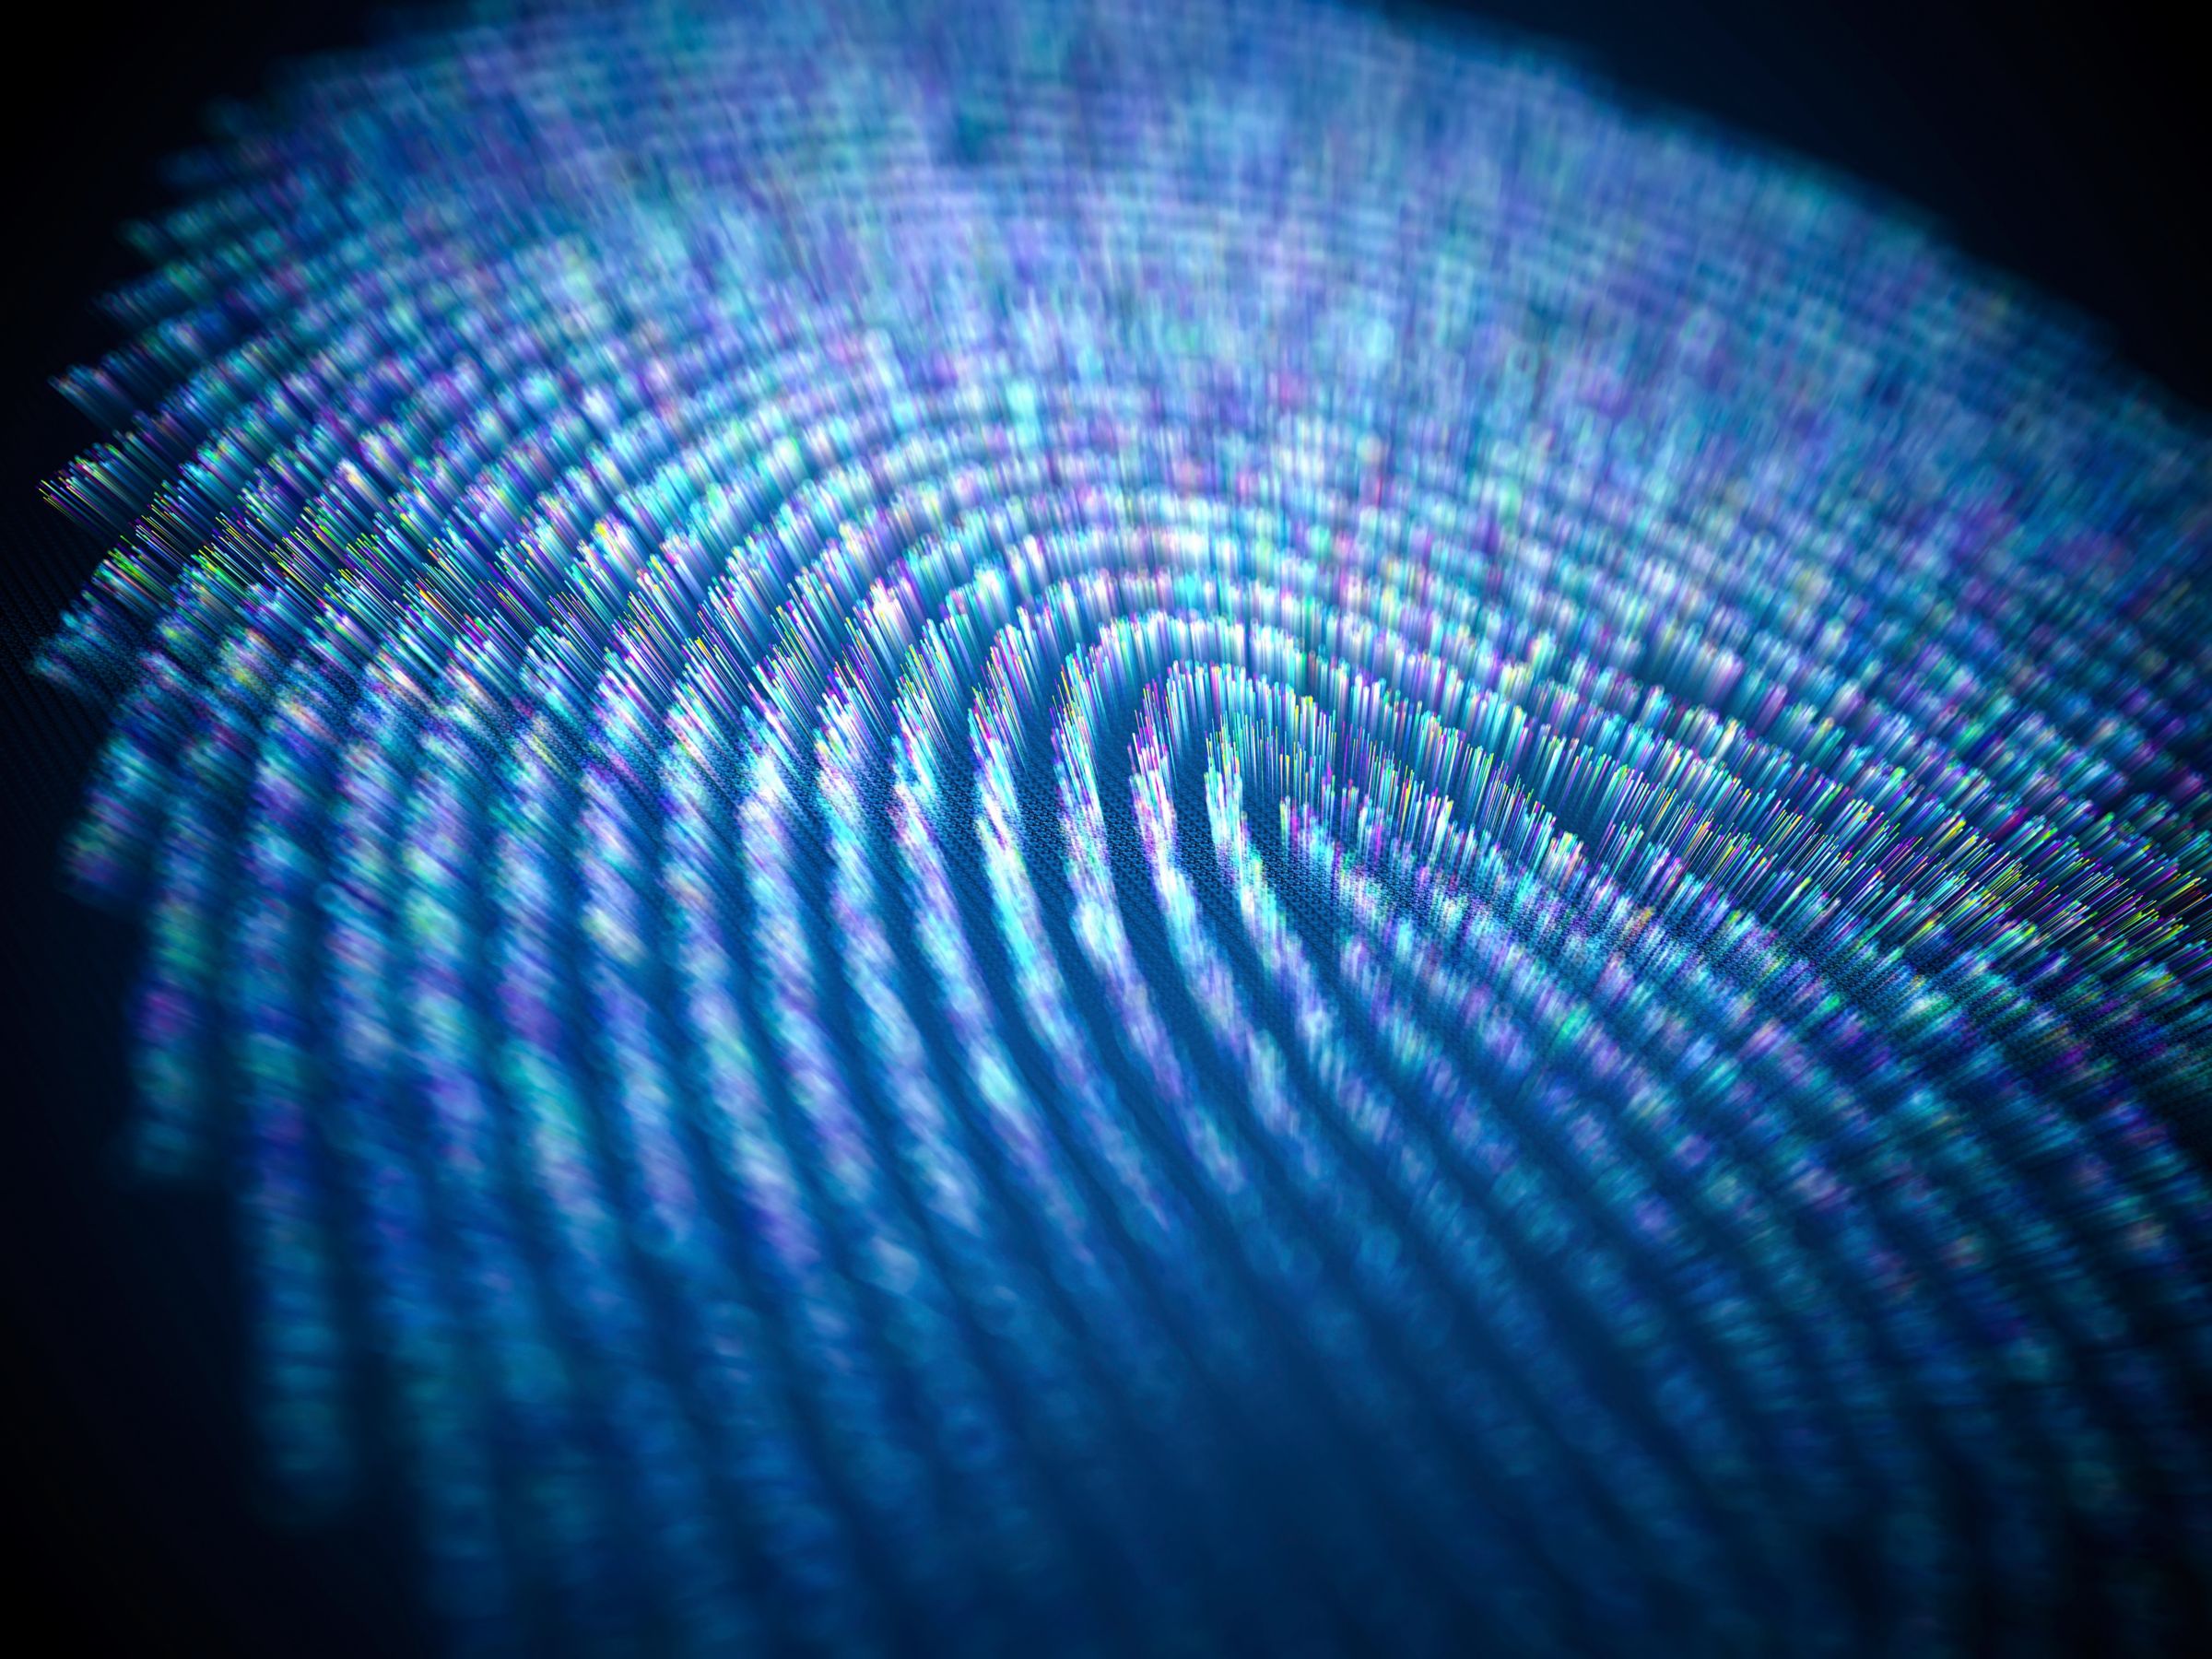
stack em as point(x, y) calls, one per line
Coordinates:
point(1157, 825)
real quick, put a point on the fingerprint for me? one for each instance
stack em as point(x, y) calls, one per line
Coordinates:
point(1157, 825)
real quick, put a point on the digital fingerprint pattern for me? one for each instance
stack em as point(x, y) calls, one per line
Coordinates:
point(1157, 826)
